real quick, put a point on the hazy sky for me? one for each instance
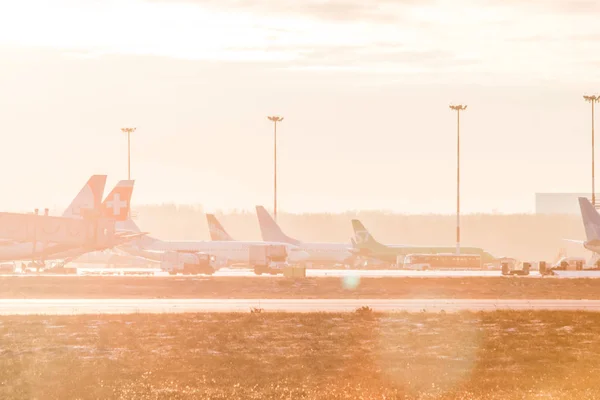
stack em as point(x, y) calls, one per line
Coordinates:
point(364, 88)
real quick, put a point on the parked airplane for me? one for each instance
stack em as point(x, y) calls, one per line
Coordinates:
point(227, 252)
point(217, 232)
point(591, 223)
point(83, 236)
point(370, 247)
point(115, 207)
point(319, 253)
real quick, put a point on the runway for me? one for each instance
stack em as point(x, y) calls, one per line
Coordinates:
point(341, 273)
point(404, 273)
point(321, 273)
point(128, 306)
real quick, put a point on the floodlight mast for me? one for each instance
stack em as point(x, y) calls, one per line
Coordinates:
point(593, 99)
point(458, 108)
point(128, 131)
point(275, 119)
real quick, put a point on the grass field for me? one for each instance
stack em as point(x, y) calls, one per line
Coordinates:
point(499, 355)
point(310, 288)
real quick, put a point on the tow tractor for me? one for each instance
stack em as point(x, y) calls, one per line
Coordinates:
point(510, 267)
point(268, 259)
point(573, 265)
point(188, 263)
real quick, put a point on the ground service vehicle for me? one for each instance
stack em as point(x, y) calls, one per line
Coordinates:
point(510, 268)
point(442, 261)
point(570, 263)
point(269, 259)
point(187, 263)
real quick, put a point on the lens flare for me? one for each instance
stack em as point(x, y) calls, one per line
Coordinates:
point(350, 282)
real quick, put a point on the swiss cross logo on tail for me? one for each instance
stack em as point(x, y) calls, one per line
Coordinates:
point(117, 204)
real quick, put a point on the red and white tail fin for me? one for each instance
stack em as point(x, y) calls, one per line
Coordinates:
point(217, 232)
point(88, 198)
point(117, 204)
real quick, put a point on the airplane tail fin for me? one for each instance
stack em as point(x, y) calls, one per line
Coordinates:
point(270, 231)
point(128, 225)
point(362, 237)
point(88, 198)
point(117, 206)
point(591, 219)
point(118, 203)
point(136, 236)
point(217, 232)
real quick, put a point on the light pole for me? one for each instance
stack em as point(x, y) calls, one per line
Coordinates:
point(458, 109)
point(128, 131)
point(593, 99)
point(275, 120)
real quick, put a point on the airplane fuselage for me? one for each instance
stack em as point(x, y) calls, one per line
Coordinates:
point(232, 251)
point(338, 253)
point(592, 245)
point(390, 253)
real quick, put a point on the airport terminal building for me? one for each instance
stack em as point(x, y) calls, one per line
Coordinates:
point(559, 203)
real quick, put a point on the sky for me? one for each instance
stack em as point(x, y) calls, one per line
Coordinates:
point(364, 89)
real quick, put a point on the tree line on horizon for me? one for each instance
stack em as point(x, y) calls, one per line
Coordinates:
point(531, 237)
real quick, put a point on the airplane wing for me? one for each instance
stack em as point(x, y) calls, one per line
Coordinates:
point(129, 236)
point(581, 242)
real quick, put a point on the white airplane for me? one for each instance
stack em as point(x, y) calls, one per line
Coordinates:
point(226, 252)
point(591, 223)
point(87, 202)
point(318, 253)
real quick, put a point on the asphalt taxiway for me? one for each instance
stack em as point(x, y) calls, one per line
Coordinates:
point(320, 273)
